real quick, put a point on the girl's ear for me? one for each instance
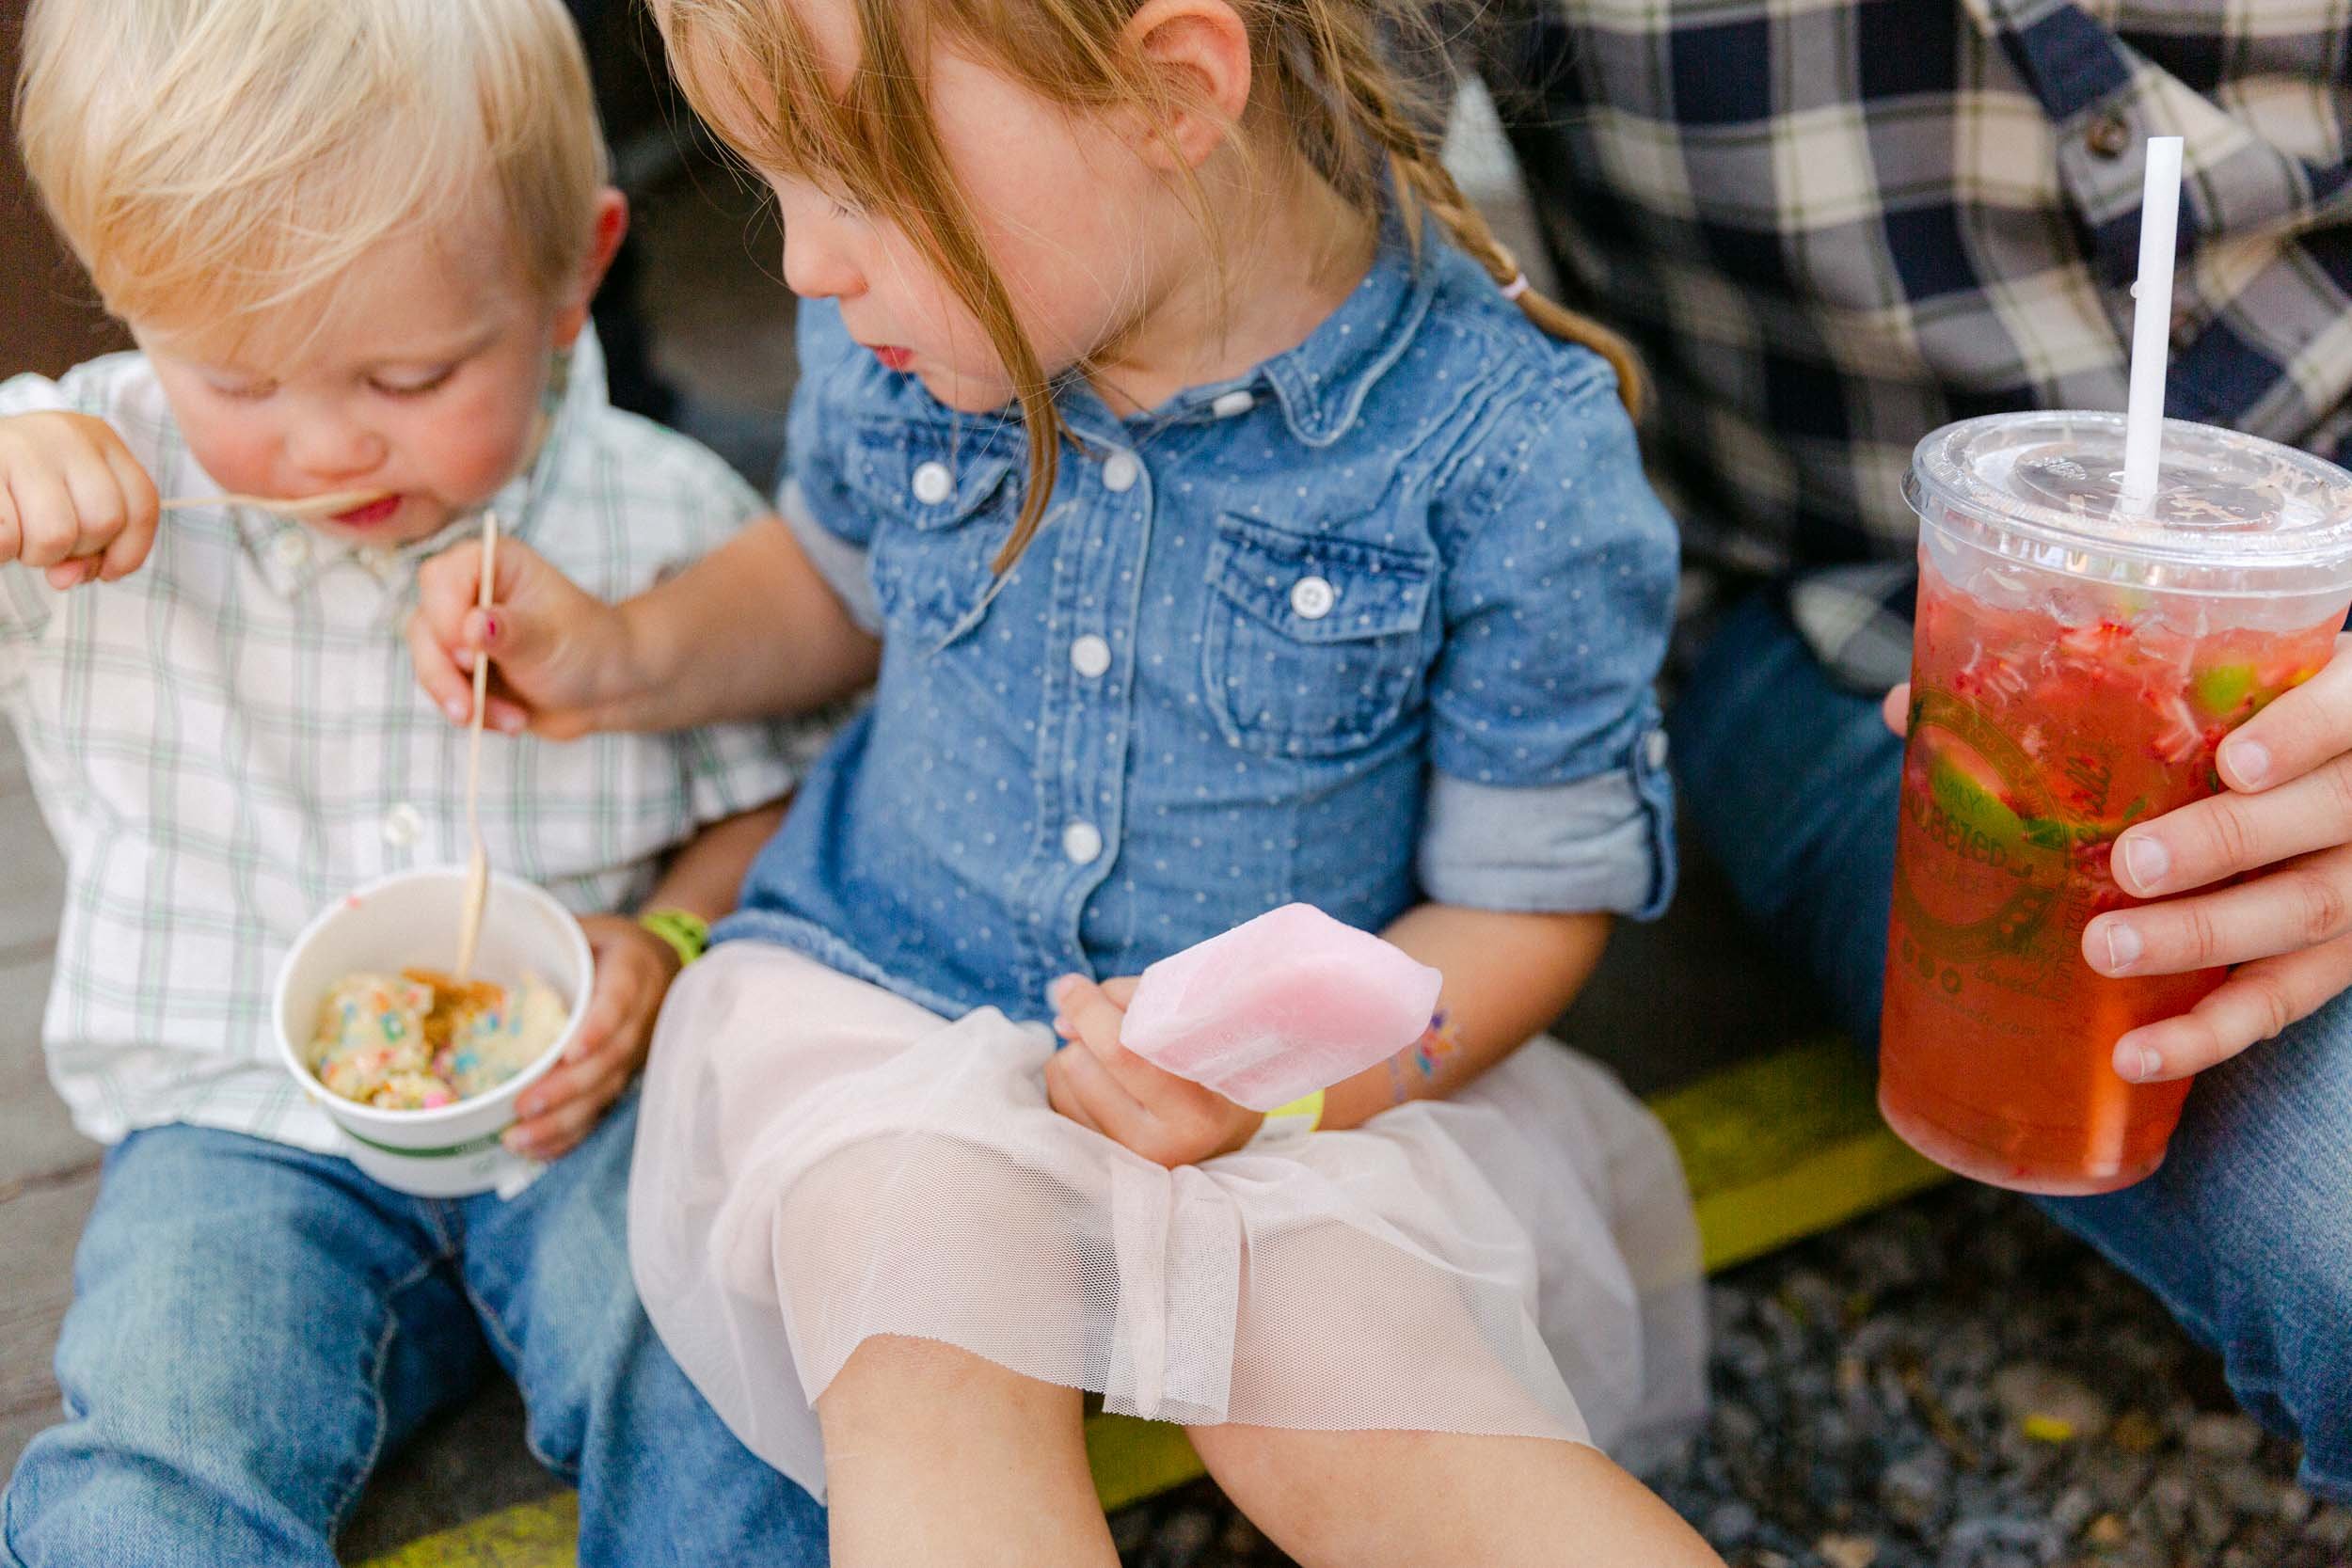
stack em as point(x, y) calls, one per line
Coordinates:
point(612, 223)
point(1201, 49)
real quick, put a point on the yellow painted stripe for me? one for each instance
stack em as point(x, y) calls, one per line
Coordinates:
point(542, 1534)
point(1777, 1149)
point(1786, 1146)
point(1133, 1460)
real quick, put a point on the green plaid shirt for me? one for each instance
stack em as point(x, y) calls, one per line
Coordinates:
point(232, 735)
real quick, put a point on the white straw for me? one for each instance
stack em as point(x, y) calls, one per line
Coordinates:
point(2151, 324)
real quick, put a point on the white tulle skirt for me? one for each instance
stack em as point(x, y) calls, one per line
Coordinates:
point(820, 1162)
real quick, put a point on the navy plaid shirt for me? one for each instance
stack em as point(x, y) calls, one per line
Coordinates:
point(1833, 225)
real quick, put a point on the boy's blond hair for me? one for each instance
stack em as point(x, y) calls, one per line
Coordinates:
point(215, 161)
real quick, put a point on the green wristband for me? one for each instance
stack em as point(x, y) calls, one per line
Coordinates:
point(689, 935)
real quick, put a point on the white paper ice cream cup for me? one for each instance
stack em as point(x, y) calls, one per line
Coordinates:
point(409, 920)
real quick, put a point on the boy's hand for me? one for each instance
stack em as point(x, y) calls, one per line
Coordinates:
point(634, 969)
point(1098, 1082)
point(73, 502)
point(550, 642)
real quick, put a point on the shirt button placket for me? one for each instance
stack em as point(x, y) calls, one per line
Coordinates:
point(1090, 789)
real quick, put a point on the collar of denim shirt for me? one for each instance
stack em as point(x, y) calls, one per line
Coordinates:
point(1322, 384)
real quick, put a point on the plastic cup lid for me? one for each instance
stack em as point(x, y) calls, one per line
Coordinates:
point(2232, 513)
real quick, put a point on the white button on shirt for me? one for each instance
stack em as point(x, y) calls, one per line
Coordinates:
point(1121, 471)
point(260, 748)
point(933, 484)
point(1230, 404)
point(1311, 598)
point(1090, 656)
point(1082, 842)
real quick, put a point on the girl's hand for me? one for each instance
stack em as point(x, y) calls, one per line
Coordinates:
point(2284, 823)
point(634, 969)
point(1098, 1082)
point(74, 502)
point(553, 644)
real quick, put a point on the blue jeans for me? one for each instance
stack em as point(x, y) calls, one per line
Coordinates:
point(2246, 1232)
point(254, 1325)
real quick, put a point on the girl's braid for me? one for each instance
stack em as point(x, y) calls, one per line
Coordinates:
point(1347, 59)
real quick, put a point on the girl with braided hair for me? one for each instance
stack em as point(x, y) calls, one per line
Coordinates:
point(1237, 528)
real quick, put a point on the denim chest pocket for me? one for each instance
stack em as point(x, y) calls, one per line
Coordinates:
point(1312, 642)
point(941, 516)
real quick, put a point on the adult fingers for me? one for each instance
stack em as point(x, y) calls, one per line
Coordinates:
point(2295, 734)
point(1896, 710)
point(2256, 1002)
point(2301, 904)
point(2229, 834)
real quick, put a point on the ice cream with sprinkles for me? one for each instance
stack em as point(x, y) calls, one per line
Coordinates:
point(419, 1040)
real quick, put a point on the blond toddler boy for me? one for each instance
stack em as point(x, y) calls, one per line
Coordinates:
point(355, 242)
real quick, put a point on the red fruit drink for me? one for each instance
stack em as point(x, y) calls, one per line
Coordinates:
point(2074, 672)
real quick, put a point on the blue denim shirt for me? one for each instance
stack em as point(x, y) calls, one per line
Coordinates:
point(1373, 625)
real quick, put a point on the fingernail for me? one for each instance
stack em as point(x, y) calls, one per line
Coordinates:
point(1059, 989)
point(2136, 1063)
point(2250, 761)
point(518, 1144)
point(463, 659)
point(1061, 1025)
point(510, 723)
point(456, 711)
point(2123, 945)
point(489, 629)
point(2146, 858)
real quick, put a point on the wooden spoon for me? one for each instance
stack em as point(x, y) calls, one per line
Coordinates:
point(302, 509)
point(478, 864)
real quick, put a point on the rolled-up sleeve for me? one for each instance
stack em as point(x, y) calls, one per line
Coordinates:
point(1548, 788)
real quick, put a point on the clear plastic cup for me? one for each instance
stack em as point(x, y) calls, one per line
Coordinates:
point(2073, 671)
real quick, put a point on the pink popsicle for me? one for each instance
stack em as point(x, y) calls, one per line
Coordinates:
point(1284, 1004)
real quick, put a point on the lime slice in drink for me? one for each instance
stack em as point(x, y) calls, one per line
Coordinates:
point(1965, 789)
point(2220, 688)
